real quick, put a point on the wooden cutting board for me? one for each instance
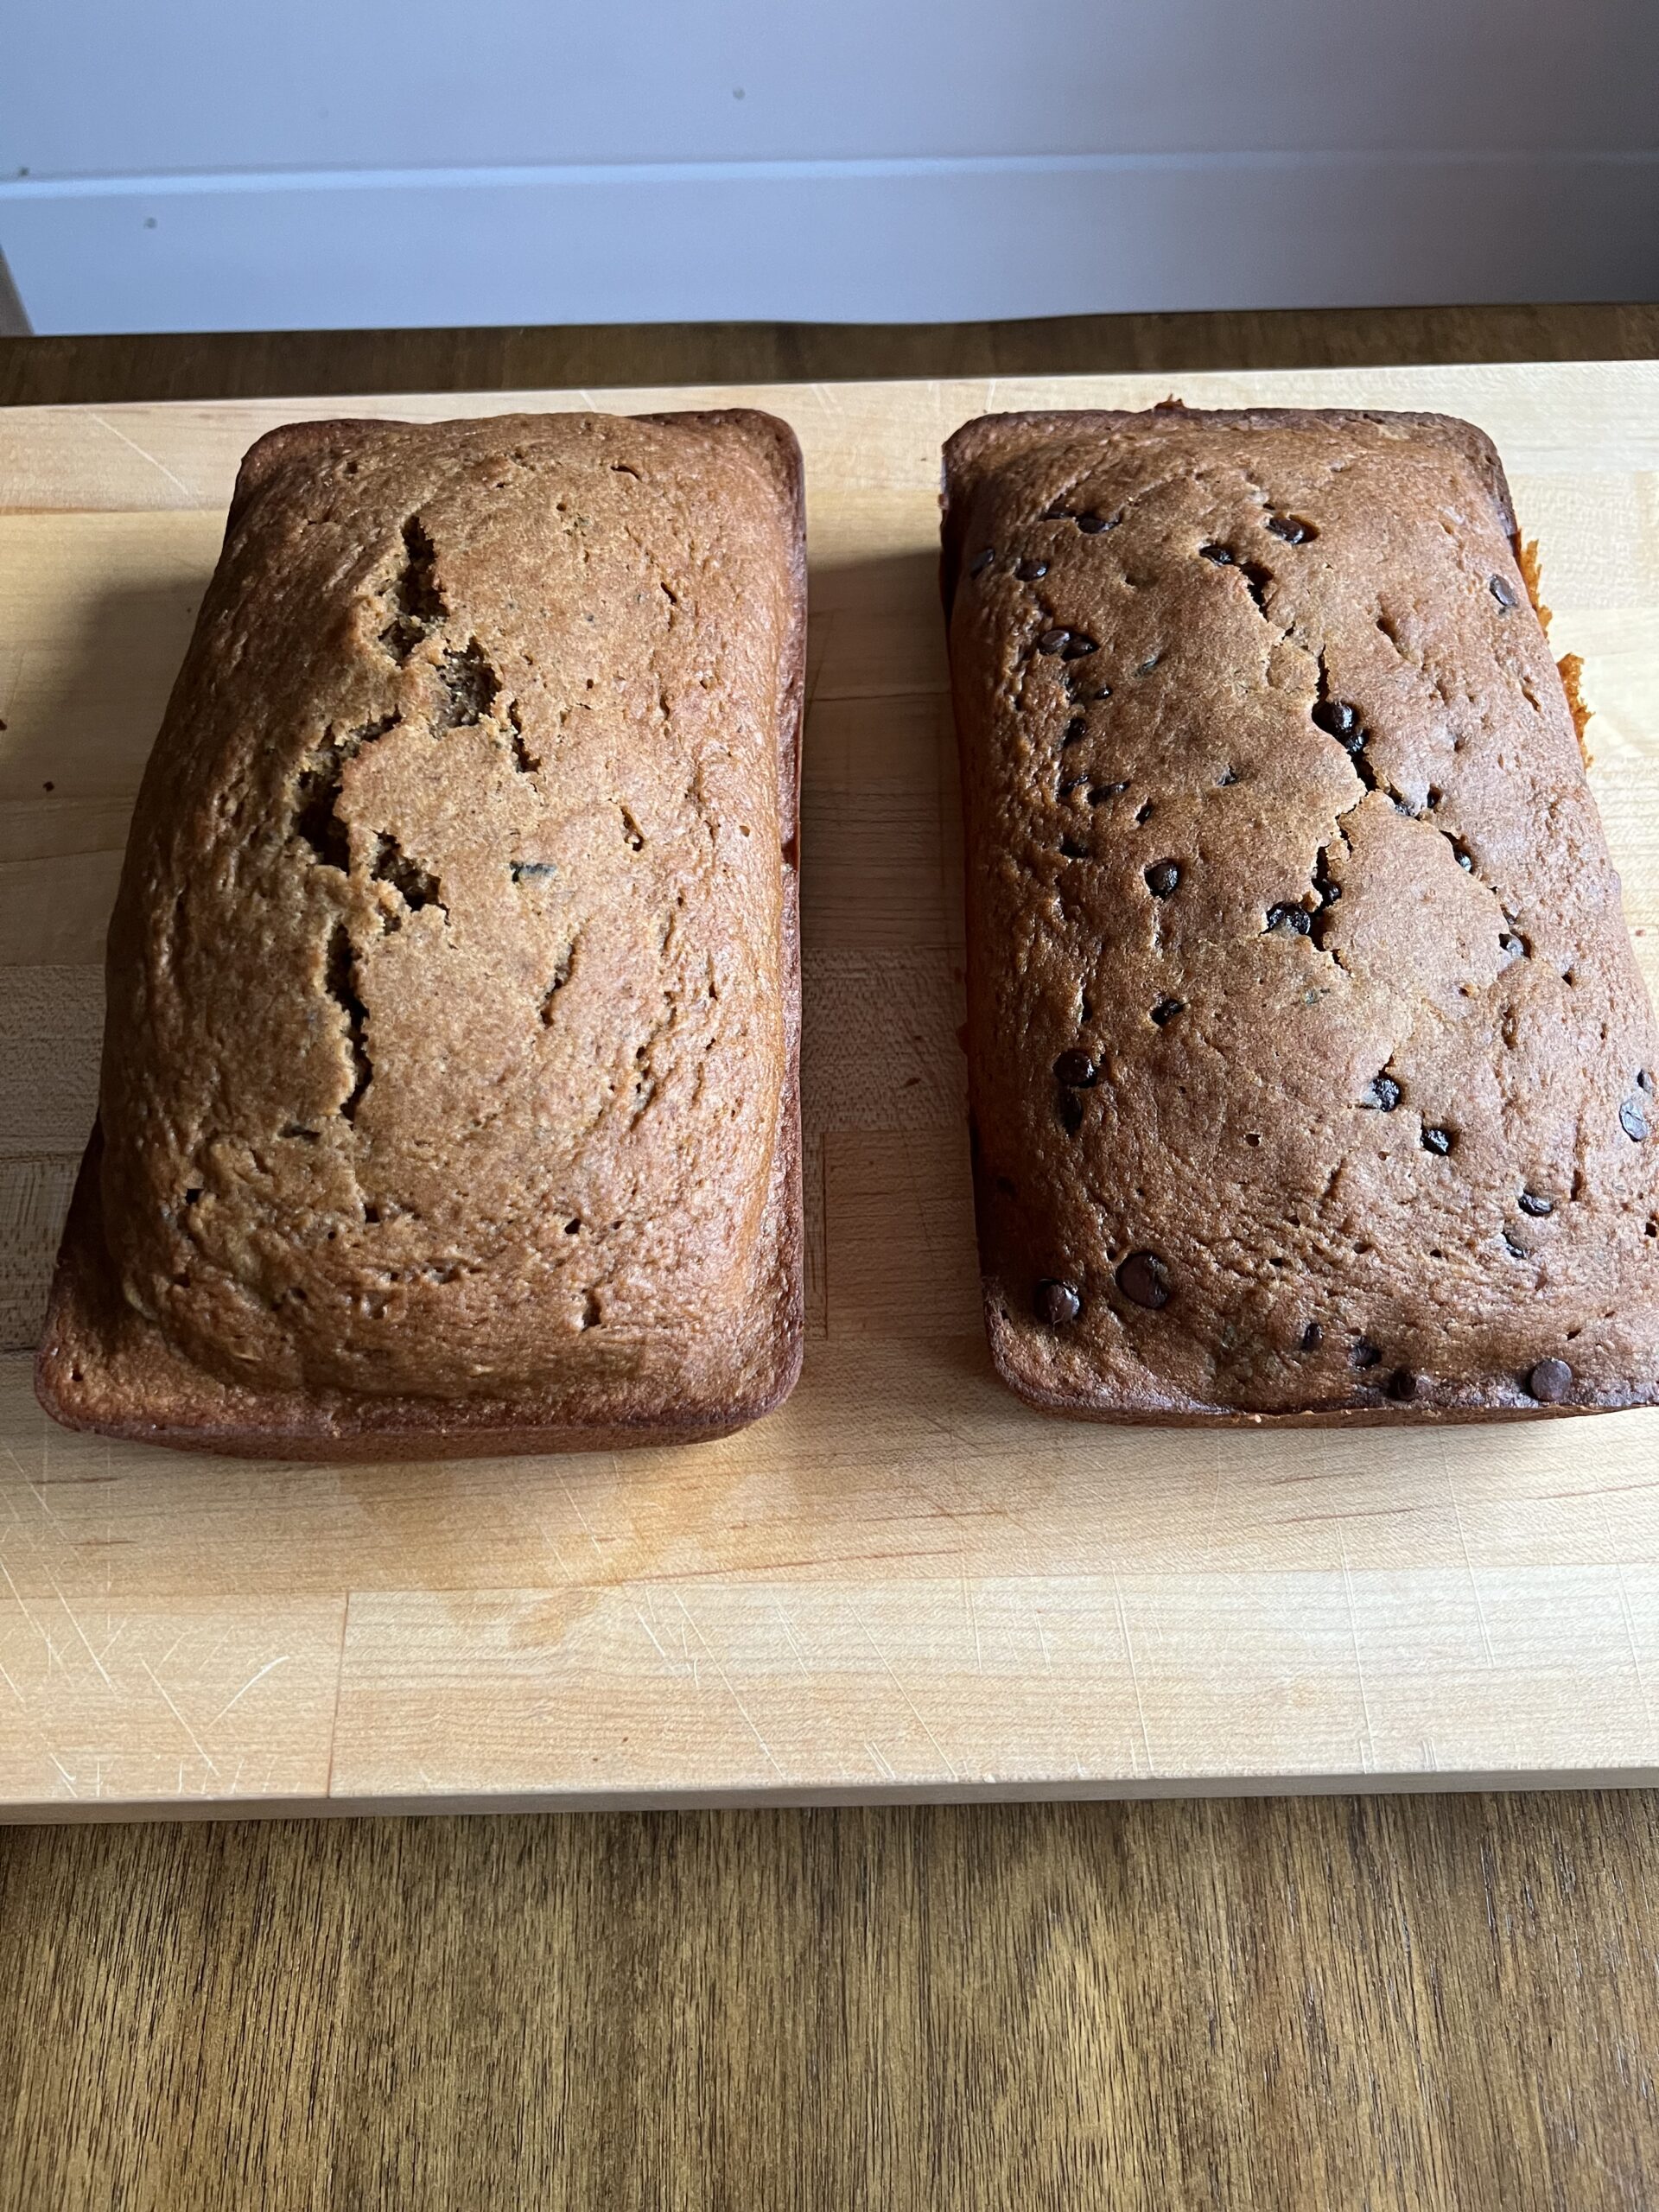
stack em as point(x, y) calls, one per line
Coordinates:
point(906, 1583)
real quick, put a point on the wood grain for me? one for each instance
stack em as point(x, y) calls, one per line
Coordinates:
point(247, 364)
point(905, 1582)
point(1399, 2005)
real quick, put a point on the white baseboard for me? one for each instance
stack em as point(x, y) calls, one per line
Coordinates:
point(877, 241)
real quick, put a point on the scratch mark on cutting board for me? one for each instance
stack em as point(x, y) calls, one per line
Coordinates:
point(264, 1670)
point(731, 1692)
point(1215, 1505)
point(17, 1596)
point(1359, 1664)
point(1629, 1636)
point(75, 1625)
point(36, 1492)
point(789, 1636)
point(133, 445)
point(652, 1633)
point(686, 1652)
point(887, 1668)
point(582, 1519)
point(973, 1617)
point(1135, 1672)
point(1462, 1541)
point(200, 1748)
point(340, 1692)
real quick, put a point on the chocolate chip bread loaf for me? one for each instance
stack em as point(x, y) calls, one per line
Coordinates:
point(448, 1099)
point(1311, 1071)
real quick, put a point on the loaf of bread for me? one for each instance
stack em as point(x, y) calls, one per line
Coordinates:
point(449, 1098)
point(1311, 1071)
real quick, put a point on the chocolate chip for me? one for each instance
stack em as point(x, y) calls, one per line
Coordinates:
point(1382, 1093)
point(1162, 878)
point(1227, 776)
point(1078, 647)
point(1053, 641)
point(1403, 1385)
point(1145, 1279)
point(1633, 1119)
point(1515, 1251)
point(1071, 784)
point(1104, 691)
point(1438, 1141)
point(1463, 857)
point(1069, 1109)
point(1071, 850)
point(1076, 1071)
point(1313, 1336)
point(1512, 947)
point(1292, 529)
point(1644, 1081)
point(1099, 793)
point(1218, 553)
point(1032, 572)
point(1057, 1303)
point(1365, 1353)
point(980, 561)
point(1533, 1204)
point(1091, 525)
point(1337, 719)
point(1076, 730)
point(1503, 592)
point(1550, 1381)
point(1291, 921)
point(1167, 1009)
point(1144, 813)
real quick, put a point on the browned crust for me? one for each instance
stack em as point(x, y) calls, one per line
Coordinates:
point(971, 454)
point(188, 1409)
point(996, 438)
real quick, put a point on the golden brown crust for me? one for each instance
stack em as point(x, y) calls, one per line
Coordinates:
point(450, 1097)
point(1308, 1053)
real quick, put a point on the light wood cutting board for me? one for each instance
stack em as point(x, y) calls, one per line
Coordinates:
point(906, 1583)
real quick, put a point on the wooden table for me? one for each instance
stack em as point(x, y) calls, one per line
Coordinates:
point(1413, 2003)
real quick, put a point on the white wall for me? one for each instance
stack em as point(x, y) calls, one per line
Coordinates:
point(242, 164)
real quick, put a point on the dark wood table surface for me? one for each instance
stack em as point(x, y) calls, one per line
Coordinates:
point(1233, 2007)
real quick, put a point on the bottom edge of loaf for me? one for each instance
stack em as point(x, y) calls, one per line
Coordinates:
point(1151, 1409)
point(433, 1440)
point(180, 1407)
